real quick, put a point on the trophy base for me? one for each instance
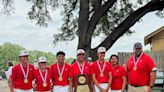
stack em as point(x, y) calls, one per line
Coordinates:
point(82, 88)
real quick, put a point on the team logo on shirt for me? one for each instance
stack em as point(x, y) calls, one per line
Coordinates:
point(66, 69)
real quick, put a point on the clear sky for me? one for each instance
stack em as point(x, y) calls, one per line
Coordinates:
point(19, 30)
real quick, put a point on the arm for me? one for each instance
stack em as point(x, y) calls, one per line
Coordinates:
point(71, 84)
point(124, 82)
point(152, 78)
point(97, 84)
point(10, 84)
point(92, 84)
point(95, 81)
point(109, 81)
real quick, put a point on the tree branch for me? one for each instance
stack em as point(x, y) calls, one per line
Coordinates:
point(153, 5)
point(96, 17)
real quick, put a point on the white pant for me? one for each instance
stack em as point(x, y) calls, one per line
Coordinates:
point(60, 89)
point(103, 85)
point(116, 90)
point(20, 90)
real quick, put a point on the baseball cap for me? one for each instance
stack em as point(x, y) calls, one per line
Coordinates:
point(137, 45)
point(101, 49)
point(23, 53)
point(80, 51)
point(42, 59)
point(89, 58)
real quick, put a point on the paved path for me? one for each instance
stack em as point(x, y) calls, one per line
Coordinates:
point(3, 86)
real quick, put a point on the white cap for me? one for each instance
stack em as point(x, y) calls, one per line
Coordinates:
point(80, 51)
point(101, 49)
point(23, 53)
point(89, 58)
point(42, 59)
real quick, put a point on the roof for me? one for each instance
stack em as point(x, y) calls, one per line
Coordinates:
point(147, 38)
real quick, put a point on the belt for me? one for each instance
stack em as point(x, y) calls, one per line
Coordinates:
point(135, 85)
point(103, 82)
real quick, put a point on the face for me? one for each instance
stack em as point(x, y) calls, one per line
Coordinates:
point(101, 55)
point(114, 60)
point(23, 59)
point(60, 58)
point(80, 57)
point(137, 51)
point(42, 65)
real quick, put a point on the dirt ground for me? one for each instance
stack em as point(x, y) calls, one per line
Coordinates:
point(3, 86)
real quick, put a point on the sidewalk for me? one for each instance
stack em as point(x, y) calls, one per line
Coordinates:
point(3, 86)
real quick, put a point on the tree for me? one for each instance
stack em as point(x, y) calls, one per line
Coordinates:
point(10, 52)
point(87, 19)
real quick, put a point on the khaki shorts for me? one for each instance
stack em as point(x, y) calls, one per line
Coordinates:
point(137, 89)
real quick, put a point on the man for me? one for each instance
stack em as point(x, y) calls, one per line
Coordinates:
point(43, 76)
point(80, 67)
point(60, 73)
point(101, 72)
point(90, 60)
point(141, 71)
point(22, 74)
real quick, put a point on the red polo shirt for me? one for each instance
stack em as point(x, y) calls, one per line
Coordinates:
point(117, 73)
point(39, 81)
point(65, 76)
point(95, 70)
point(18, 77)
point(75, 71)
point(141, 76)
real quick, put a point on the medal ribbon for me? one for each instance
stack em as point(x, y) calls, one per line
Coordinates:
point(45, 77)
point(101, 70)
point(60, 72)
point(25, 75)
point(136, 62)
point(81, 69)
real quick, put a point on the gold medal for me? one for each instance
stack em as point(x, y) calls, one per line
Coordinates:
point(101, 75)
point(25, 81)
point(60, 78)
point(44, 84)
point(135, 68)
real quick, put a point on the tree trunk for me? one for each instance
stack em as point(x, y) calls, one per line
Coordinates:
point(86, 28)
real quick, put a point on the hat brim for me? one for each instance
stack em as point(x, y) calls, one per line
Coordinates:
point(23, 55)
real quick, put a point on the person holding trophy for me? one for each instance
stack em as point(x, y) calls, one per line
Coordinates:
point(81, 74)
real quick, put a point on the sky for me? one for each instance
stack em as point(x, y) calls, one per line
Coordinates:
point(18, 29)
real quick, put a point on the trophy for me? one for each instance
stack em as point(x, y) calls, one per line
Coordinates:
point(82, 84)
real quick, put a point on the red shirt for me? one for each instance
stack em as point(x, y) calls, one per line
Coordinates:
point(117, 73)
point(75, 71)
point(95, 70)
point(39, 81)
point(65, 76)
point(141, 76)
point(18, 77)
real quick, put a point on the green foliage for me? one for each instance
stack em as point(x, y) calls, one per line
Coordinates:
point(69, 60)
point(34, 55)
point(10, 52)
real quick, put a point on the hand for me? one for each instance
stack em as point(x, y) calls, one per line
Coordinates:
point(149, 89)
point(102, 90)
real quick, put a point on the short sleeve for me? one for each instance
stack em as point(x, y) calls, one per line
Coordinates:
point(151, 64)
point(93, 69)
point(71, 71)
point(123, 71)
point(109, 68)
point(13, 74)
